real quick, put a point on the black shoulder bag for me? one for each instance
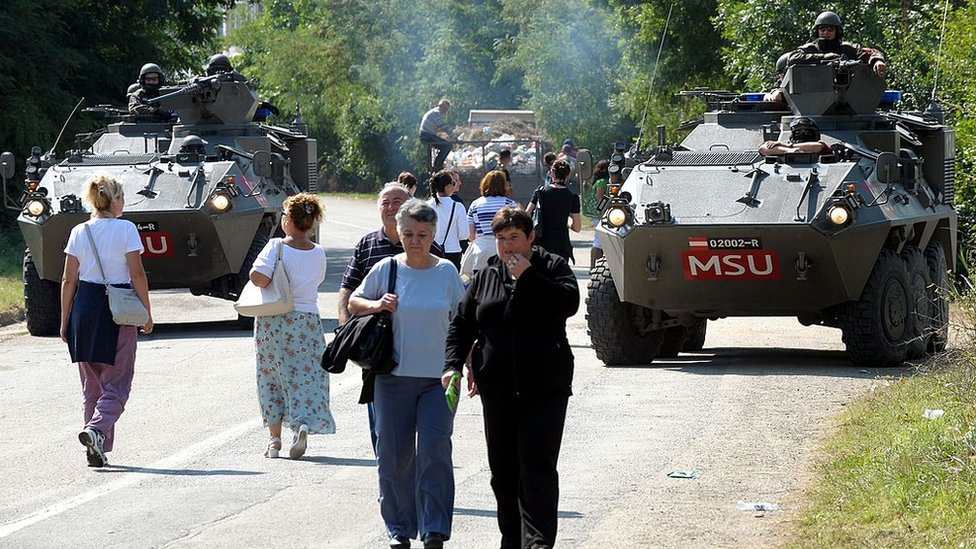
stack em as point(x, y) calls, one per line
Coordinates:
point(366, 340)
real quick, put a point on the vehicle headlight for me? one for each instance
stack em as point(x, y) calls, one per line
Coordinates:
point(617, 217)
point(838, 215)
point(36, 207)
point(220, 202)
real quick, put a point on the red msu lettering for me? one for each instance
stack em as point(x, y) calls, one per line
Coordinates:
point(156, 244)
point(730, 265)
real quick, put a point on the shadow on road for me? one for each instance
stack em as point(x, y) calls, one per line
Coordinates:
point(772, 361)
point(113, 468)
point(490, 513)
point(213, 329)
point(341, 462)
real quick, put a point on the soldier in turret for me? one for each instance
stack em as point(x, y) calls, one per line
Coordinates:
point(151, 79)
point(220, 64)
point(828, 31)
point(804, 138)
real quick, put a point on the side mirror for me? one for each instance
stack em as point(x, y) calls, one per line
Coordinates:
point(886, 168)
point(261, 162)
point(7, 165)
point(585, 160)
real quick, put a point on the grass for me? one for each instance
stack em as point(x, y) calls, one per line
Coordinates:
point(11, 272)
point(893, 478)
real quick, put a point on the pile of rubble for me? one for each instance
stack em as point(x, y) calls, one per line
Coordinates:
point(479, 147)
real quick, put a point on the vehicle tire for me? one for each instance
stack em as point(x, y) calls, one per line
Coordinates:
point(921, 301)
point(695, 336)
point(880, 323)
point(611, 323)
point(42, 301)
point(939, 294)
point(240, 279)
point(674, 339)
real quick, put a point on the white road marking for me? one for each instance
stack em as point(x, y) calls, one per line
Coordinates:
point(130, 479)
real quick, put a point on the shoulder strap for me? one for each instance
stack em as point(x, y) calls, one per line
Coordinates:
point(281, 246)
point(449, 222)
point(391, 285)
point(95, 251)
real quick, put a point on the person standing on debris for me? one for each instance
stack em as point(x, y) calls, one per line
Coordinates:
point(103, 250)
point(516, 308)
point(827, 33)
point(558, 204)
point(433, 123)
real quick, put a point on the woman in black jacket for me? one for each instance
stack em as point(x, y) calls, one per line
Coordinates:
point(523, 370)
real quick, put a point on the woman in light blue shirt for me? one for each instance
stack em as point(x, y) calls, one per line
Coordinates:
point(413, 422)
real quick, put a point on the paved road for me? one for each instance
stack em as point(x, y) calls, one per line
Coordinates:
point(188, 470)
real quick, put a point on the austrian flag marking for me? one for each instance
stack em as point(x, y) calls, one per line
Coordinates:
point(698, 242)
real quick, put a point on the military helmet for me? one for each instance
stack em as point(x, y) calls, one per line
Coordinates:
point(828, 18)
point(218, 63)
point(150, 68)
point(782, 63)
point(804, 130)
point(193, 144)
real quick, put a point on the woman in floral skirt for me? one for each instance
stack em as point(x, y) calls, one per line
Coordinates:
point(293, 390)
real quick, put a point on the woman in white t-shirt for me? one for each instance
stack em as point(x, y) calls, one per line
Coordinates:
point(293, 389)
point(451, 216)
point(104, 351)
point(495, 192)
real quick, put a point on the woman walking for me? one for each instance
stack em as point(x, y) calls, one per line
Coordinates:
point(495, 189)
point(413, 422)
point(103, 250)
point(451, 216)
point(557, 204)
point(293, 389)
point(516, 309)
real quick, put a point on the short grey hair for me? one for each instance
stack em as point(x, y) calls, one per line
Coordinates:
point(417, 210)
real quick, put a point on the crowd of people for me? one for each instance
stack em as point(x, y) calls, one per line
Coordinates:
point(481, 292)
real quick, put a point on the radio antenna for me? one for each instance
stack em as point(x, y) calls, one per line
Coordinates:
point(938, 58)
point(65, 126)
point(647, 102)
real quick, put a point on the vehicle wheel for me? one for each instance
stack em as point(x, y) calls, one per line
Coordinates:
point(881, 321)
point(674, 339)
point(939, 294)
point(921, 301)
point(695, 336)
point(242, 276)
point(612, 324)
point(42, 302)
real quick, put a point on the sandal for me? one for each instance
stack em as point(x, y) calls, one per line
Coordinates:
point(300, 443)
point(274, 446)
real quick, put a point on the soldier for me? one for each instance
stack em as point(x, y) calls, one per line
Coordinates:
point(776, 95)
point(828, 31)
point(220, 64)
point(804, 138)
point(151, 79)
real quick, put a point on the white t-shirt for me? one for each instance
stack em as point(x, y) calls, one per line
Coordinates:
point(305, 269)
point(113, 238)
point(426, 301)
point(458, 230)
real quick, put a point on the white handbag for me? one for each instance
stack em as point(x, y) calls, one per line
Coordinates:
point(274, 299)
point(127, 309)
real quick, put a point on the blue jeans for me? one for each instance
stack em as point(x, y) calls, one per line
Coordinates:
point(413, 455)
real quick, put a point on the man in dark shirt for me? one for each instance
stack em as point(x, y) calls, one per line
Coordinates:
point(827, 34)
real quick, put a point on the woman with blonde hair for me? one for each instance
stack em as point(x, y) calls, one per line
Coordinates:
point(495, 191)
point(103, 250)
point(293, 389)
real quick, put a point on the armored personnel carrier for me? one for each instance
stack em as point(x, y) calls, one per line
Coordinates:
point(205, 188)
point(858, 236)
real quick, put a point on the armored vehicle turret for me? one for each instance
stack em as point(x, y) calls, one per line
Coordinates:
point(858, 235)
point(204, 187)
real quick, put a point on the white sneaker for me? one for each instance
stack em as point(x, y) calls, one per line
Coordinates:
point(93, 441)
point(300, 443)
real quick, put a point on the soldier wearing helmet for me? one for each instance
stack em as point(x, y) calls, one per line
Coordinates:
point(151, 79)
point(776, 95)
point(219, 64)
point(804, 138)
point(827, 33)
